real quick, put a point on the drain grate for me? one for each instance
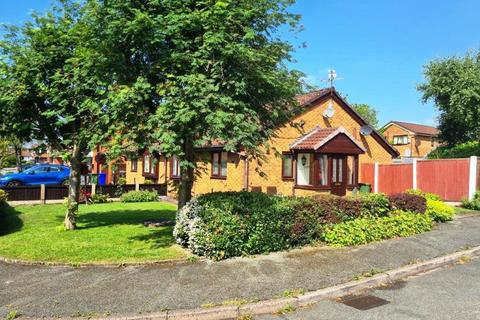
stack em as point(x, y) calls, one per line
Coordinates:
point(363, 302)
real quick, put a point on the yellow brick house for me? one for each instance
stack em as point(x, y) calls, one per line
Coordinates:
point(411, 140)
point(319, 150)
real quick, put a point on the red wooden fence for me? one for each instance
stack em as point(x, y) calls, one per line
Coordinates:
point(395, 178)
point(449, 178)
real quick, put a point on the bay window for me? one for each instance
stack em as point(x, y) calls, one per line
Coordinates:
point(303, 169)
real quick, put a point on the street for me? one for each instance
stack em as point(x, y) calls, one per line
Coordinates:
point(449, 293)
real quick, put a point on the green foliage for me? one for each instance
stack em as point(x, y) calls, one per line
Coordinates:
point(140, 196)
point(3, 196)
point(368, 113)
point(462, 150)
point(426, 195)
point(473, 204)
point(100, 198)
point(226, 224)
point(439, 211)
point(408, 202)
point(365, 230)
point(453, 84)
point(122, 181)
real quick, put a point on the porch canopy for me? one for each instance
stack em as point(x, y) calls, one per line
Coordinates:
point(328, 140)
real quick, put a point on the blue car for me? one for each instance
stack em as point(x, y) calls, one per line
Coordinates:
point(40, 174)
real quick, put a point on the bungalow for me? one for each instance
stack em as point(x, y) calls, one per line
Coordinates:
point(410, 139)
point(320, 150)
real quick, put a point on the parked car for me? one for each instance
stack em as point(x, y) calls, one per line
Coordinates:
point(39, 174)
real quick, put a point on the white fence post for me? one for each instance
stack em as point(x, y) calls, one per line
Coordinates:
point(472, 179)
point(137, 186)
point(42, 194)
point(414, 165)
point(375, 180)
point(94, 189)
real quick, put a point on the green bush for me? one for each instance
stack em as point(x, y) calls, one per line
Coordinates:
point(139, 196)
point(100, 198)
point(426, 195)
point(368, 229)
point(408, 202)
point(3, 196)
point(227, 224)
point(439, 211)
point(463, 150)
point(473, 204)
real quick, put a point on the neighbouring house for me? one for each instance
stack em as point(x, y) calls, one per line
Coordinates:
point(411, 140)
point(319, 150)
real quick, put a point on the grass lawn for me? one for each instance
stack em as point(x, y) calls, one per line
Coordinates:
point(111, 232)
point(463, 211)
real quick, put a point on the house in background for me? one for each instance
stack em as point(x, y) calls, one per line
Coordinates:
point(319, 151)
point(411, 140)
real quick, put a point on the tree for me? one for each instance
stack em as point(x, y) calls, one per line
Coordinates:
point(56, 86)
point(368, 113)
point(214, 70)
point(453, 84)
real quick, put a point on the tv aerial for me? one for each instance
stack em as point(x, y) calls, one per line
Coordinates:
point(331, 77)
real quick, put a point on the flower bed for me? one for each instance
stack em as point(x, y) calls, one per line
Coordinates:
point(228, 224)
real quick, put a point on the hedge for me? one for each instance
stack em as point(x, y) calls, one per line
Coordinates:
point(365, 230)
point(439, 211)
point(140, 196)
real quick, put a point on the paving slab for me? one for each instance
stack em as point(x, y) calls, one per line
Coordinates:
point(42, 291)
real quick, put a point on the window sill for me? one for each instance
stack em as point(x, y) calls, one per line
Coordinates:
point(218, 177)
point(323, 188)
point(288, 179)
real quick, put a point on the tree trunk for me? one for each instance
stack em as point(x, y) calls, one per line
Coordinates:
point(18, 156)
point(73, 188)
point(186, 177)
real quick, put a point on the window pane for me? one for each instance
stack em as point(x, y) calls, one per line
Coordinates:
point(323, 168)
point(351, 169)
point(224, 161)
point(175, 167)
point(215, 165)
point(146, 164)
point(287, 166)
point(340, 170)
point(334, 170)
point(303, 169)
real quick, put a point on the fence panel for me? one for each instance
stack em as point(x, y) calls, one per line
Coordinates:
point(367, 173)
point(395, 178)
point(447, 177)
point(23, 193)
point(160, 188)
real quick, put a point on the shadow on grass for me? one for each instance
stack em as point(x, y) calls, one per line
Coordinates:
point(159, 237)
point(10, 221)
point(121, 217)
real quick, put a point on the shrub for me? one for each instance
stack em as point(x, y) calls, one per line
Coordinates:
point(408, 202)
point(376, 205)
point(139, 196)
point(426, 195)
point(100, 198)
point(122, 181)
point(3, 196)
point(368, 229)
point(463, 150)
point(439, 211)
point(473, 204)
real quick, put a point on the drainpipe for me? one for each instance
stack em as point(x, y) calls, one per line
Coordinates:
point(246, 169)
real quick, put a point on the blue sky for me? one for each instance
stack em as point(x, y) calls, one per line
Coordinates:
point(377, 47)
